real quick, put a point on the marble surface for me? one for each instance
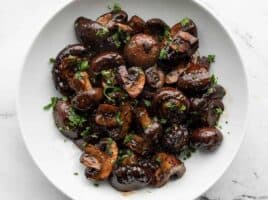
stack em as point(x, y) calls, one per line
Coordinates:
point(246, 179)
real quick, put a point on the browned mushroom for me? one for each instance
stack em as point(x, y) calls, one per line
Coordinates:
point(152, 130)
point(106, 60)
point(99, 164)
point(106, 115)
point(132, 80)
point(155, 77)
point(173, 76)
point(63, 115)
point(195, 78)
point(109, 18)
point(156, 27)
point(171, 104)
point(142, 50)
point(66, 64)
point(170, 166)
point(137, 144)
point(206, 139)
point(186, 25)
point(137, 24)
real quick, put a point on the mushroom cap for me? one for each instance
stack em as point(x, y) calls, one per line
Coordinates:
point(137, 24)
point(155, 26)
point(142, 50)
point(155, 77)
point(106, 115)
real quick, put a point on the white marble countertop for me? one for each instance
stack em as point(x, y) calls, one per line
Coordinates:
point(246, 179)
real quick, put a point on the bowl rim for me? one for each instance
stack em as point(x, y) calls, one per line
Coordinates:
point(201, 6)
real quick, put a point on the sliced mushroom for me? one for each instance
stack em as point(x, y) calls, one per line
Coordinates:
point(173, 76)
point(137, 24)
point(171, 104)
point(189, 26)
point(215, 92)
point(132, 79)
point(106, 115)
point(155, 77)
point(66, 64)
point(142, 50)
point(206, 139)
point(156, 27)
point(152, 130)
point(61, 113)
point(99, 164)
point(170, 167)
point(195, 78)
point(106, 60)
point(109, 18)
point(137, 144)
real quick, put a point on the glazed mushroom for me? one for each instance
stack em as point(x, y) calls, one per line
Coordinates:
point(175, 138)
point(137, 144)
point(194, 78)
point(156, 27)
point(142, 50)
point(155, 77)
point(106, 115)
point(137, 24)
point(66, 64)
point(106, 60)
point(128, 178)
point(99, 163)
point(132, 80)
point(63, 114)
point(152, 130)
point(170, 166)
point(173, 76)
point(215, 92)
point(186, 25)
point(108, 19)
point(206, 139)
point(171, 104)
point(86, 96)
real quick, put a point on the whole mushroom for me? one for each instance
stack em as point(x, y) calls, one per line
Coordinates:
point(155, 77)
point(137, 144)
point(156, 27)
point(142, 50)
point(137, 24)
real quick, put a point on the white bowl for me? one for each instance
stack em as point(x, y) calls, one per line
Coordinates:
point(58, 160)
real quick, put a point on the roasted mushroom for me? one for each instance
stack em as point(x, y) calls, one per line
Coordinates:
point(132, 80)
point(186, 25)
point(155, 77)
point(173, 76)
point(170, 167)
point(137, 144)
point(99, 163)
point(108, 19)
point(156, 27)
point(171, 104)
point(67, 63)
point(175, 138)
point(206, 139)
point(137, 24)
point(142, 50)
point(64, 116)
point(152, 130)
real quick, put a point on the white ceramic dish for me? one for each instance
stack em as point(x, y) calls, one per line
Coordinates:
point(58, 160)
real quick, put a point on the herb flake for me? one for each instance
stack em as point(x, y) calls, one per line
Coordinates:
point(185, 21)
point(128, 138)
point(52, 103)
point(211, 58)
point(163, 54)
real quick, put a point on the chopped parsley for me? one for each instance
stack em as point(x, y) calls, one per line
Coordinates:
point(76, 174)
point(103, 31)
point(118, 119)
point(210, 91)
point(187, 152)
point(116, 39)
point(108, 75)
point(167, 35)
point(185, 21)
point(128, 138)
point(75, 119)
point(85, 132)
point(78, 75)
point(109, 91)
point(157, 159)
point(213, 79)
point(115, 7)
point(163, 121)
point(84, 65)
point(52, 103)
point(182, 108)
point(96, 184)
point(211, 58)
point(163, 54)
point(219, 111)
point(147, 103)
point(109, 141)
point(124, 154)
point(52, 60)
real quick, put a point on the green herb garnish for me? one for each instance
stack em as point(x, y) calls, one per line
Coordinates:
point(163, 54)
point(115, 7)
point(78, 75)
point(102, 31)
point(167, 35)
point(118, 119)
point(182, 108)
point(213, 79)
point(109, 91)
point(211, 58)
point(163, 121)
point(96, 184)
point(85, 132)
point(147, 103)
point(75, 119)
point(128, 138)
point(185, 21)
point(84, 65)
point(116, 39)
point(52, 103)
point(157, 159)
point(219, 111)
point(108, 75)
point(76, 173)
point(52, 60)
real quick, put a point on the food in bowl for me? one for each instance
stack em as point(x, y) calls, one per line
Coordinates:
point(137, 98)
